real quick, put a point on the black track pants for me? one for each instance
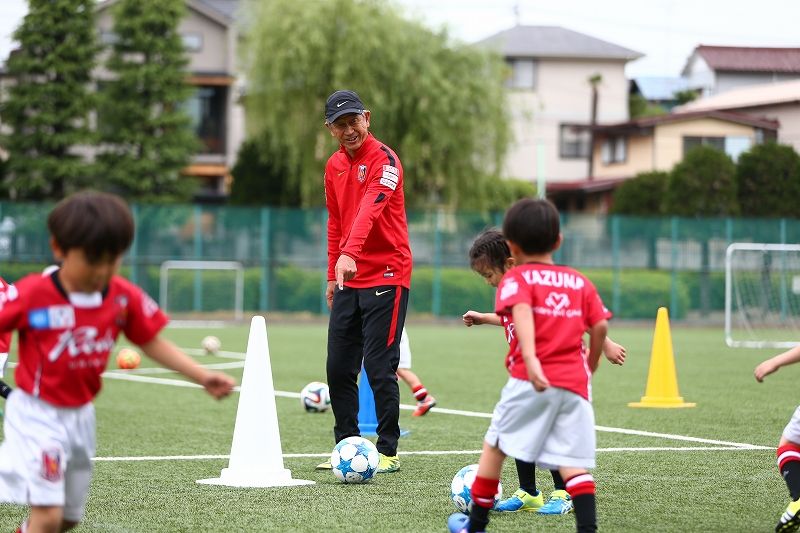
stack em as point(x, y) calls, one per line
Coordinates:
point(365, 325)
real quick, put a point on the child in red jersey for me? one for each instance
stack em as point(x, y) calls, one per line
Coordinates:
point(68, 322)
point(544, 414)
point(788, 452)
point(5, 346)
point(490, 257)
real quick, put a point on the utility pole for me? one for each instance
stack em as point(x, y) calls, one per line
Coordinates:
point(594, 81)
point(516, 13)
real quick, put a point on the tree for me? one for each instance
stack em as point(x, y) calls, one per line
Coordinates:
point(768, 180)
point(440, 104)
point(684, 97)
point(501, 193)
point(48, 107)
point(259, 182)
point(703, 185)
point(639, 107)
point(641, 196)
point(146, 131)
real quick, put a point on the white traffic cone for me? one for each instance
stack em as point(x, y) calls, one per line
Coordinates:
point(256, 456)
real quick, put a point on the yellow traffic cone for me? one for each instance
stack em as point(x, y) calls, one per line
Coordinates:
point(662, 383)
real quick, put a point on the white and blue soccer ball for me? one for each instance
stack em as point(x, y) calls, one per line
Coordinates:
point(462, 484)
point(315, 397)
point(354, 460)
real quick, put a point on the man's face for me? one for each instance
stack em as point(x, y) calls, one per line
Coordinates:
point(351, 130)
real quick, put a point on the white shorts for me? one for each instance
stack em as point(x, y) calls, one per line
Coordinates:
point(792, 429)
point(3, 364)
point(405, 351)
point(552, 428)
point(46, 457)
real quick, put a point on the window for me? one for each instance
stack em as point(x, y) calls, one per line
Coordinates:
point(690, 143)
point(107, 38)
point(614, 150)
point(575, 142)
point(523, 74)
point(733, 146)
point(206, 108)
point(193, 42)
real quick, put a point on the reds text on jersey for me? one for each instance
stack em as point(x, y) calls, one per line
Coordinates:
point(65, 340)
point(564, 304)
point(366, 215)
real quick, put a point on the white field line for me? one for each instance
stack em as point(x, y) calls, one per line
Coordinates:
point(430, 452)
point(734, 445)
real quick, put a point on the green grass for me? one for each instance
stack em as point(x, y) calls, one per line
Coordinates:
point(664, 491)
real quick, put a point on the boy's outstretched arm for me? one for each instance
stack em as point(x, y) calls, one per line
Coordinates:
point(474, 318)
point(597, 339)
point(526, 337)
point(771, 365)
point(164, 352)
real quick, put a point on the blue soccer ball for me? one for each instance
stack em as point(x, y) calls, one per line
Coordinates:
point(461, 486)
point(354, 460)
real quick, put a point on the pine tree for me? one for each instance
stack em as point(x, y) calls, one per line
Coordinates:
point(47, 109)
point(147, 135)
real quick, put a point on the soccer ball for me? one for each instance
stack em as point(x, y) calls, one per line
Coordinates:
point(462, 484)
point(128, 359)
point(315, 397)
point(354, 460)
point(211, 344)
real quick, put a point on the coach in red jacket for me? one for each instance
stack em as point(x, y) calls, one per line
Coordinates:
point(369, 272)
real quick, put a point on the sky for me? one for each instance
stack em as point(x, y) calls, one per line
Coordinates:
point(666, 31)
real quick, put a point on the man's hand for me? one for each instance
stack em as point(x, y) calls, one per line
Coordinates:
point(329, 293)
point(765, 369)
point(345, 270)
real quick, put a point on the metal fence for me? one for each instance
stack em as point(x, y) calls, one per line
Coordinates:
point(638, 264)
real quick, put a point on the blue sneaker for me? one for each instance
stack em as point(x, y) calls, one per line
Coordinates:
point(521, 501)
point(559, 503)
point(458, 523)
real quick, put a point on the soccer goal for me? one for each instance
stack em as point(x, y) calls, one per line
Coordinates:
point(209, 292)
point(762, 295)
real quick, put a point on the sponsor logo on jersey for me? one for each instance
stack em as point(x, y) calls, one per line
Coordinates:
point(53, 317)
point(51, 465)
point(84, 340)
point(509, 289)
point(557, 300)
point(362, 173)
point(549, 278)
point(149, 306)
point(121, 307)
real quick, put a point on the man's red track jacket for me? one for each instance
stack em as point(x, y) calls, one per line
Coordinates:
point(366, 215)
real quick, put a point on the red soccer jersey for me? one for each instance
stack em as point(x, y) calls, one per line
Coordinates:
point(564, 305)
point(366, 215)
point(5, 337)
point(65, 340)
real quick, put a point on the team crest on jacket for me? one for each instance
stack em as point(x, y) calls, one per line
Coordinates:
point(362, 173)
point(51, 464)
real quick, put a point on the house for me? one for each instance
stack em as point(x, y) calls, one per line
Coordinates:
point(210, 37)
point(772, 101)
point(713, 70)
point(550, 96)
point(623, 150)
point(658, 90)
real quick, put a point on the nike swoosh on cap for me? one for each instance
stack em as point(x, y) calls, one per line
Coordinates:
point(340, 104)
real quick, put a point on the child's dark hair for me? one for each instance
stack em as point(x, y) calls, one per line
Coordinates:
point(98, 223)
point(489, 250)
point(533, 225)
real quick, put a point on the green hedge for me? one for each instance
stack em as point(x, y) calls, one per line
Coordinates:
point(294, 289)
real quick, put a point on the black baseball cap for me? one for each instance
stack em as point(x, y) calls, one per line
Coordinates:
point(341, 103)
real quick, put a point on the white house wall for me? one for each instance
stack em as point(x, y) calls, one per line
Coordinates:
point(563, 95)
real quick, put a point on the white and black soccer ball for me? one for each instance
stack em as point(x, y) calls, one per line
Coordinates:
point(461, 486)
point(315, 397)
point(210, 344)
point(354, 460)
